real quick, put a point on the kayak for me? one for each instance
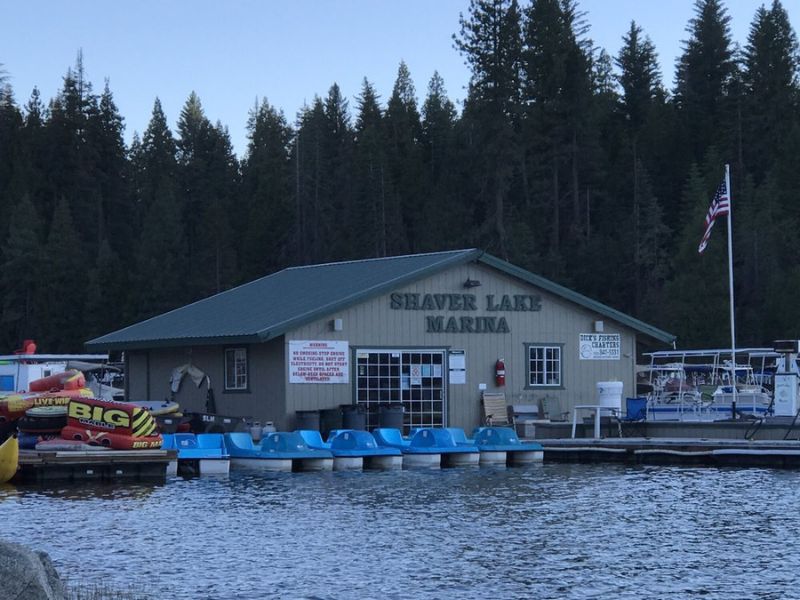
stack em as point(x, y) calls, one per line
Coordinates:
point(9, 459)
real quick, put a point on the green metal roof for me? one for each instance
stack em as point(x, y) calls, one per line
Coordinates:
point(568, 294)
point(269, 307)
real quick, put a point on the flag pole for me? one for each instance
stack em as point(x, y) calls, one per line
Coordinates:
point(730, 288)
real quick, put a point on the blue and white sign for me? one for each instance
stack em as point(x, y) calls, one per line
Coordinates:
point(599, 346)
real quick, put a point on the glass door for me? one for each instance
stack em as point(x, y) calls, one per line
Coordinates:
point(411, 378)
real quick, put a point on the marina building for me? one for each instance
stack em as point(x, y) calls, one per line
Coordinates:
point(428, 332)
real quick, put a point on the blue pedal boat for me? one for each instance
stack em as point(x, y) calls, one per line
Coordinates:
point(500, 445)
point(389, 437)
point(201, 454)
point(429, 447)
point(354, 449)
point(279, 451)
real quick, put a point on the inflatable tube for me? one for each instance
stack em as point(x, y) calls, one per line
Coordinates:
point(68, 380)
point(116, 441)
point(47, 411)
point(52, 424)
point(14, 406)
point(118, 418)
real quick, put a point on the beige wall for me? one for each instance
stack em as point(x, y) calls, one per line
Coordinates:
point(374, 324)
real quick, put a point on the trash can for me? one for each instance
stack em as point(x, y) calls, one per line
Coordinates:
point(307, 419)
point(391, 416)
point(329, 418)
point(353, 416)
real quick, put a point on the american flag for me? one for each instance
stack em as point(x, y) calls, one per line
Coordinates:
point(720, 206)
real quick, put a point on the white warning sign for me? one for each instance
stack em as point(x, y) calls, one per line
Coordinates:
point(319, 361)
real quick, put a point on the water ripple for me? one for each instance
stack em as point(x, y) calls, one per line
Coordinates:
point(553, 531)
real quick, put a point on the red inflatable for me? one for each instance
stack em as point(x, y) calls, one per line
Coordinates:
point(68, 380)
point(116, 441)
point(118, 425)
point(14, 406)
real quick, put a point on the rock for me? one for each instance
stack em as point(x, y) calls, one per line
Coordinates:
point(28, 575)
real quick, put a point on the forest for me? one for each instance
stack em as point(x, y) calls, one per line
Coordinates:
point(589, 169)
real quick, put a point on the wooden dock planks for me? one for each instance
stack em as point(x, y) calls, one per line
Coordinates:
point(101, 465)
point(713, 452)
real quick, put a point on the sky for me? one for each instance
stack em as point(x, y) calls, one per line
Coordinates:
point(232, 52)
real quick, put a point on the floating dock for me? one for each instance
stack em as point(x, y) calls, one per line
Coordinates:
point(773, 428)
point(684, 451)
point(101, 465)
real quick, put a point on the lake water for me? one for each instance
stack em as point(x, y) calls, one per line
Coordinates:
point(551, 531)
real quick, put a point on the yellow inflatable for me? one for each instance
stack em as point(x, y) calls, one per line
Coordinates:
point(9, 459)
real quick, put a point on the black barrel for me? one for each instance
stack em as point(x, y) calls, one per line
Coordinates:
point(391, 415)
point(353, 416)
point(307, 419)
point(329, 418)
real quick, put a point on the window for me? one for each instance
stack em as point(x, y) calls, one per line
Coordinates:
point(6, 383)
point(413, 378)
point(236, 369)
point(544, 365)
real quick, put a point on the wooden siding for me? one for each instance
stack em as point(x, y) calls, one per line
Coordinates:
point(374, 324)
point(264, 399)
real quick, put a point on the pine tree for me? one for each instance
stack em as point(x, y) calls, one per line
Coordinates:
point(309, 166)
point(11, 143)
point(62, 322)
point(404, 160)
point(21, 276)
point(31, 166)
point(107, 291)
point(557, 92)
point(640, 80)
point(771, 65)
point(490, 41)
point(210, 178)
point(337, 148)
point(159, 282)
point(704, 74)
point(114, 206)
point(438, 142)
point(158, 278)
point(270, 237)
point(373, 182)
point(696, 296)
point(438, 121)
point(71, 154)
point(155, 165)
point(639, 77)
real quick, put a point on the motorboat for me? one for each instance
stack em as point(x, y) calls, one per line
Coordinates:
point(696, 385)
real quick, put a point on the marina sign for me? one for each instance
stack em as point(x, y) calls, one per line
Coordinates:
point(599, 346)
point(491, 304)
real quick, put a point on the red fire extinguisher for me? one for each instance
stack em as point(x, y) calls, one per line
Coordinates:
point(500, 372)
